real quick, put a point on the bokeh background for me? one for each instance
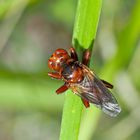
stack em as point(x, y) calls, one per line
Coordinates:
point(30, 30)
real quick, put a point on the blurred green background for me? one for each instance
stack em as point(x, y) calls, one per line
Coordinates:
point(30, 30)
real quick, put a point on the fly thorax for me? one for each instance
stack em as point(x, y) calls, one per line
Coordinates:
point(72, 73)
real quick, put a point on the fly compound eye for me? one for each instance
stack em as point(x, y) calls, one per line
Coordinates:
point(50, 64)
point(60, 51)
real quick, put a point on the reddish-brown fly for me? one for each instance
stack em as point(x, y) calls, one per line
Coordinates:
point(82, 81)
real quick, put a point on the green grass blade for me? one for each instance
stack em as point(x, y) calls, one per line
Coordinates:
point(127, 40)
point(86, 22)
point(87, 18)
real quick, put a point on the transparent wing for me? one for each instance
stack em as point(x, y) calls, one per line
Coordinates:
point(93, 90)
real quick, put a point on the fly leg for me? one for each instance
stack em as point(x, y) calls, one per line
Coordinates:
point(62, 88)
point(86, 57)
point(108, 85)
point(54, 75)
point(85, 61)
point(85, 102)
point(73, 54)
point(58, 76)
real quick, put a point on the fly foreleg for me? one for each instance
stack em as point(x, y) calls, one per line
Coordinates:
point(54, 75)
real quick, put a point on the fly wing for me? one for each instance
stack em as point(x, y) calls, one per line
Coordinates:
point(93, 90)
point(102, 97)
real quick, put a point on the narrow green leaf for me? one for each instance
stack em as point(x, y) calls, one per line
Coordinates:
point(86, 22)
point(127, 40)
point(87, 18)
